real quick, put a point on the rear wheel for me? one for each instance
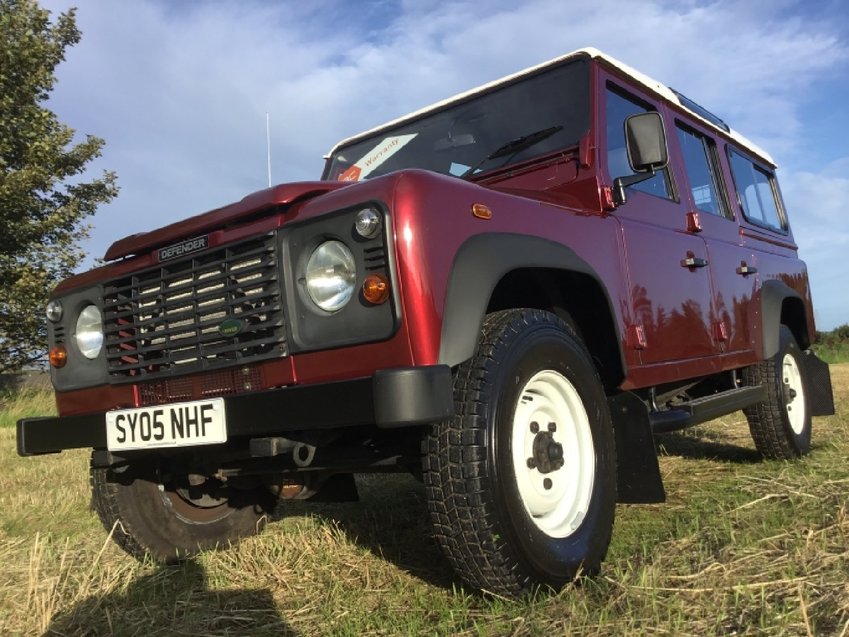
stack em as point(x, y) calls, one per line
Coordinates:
point(521, 482)
point(172, 517)
point(781, 425)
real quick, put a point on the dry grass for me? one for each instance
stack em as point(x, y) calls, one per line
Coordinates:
point(742, 547)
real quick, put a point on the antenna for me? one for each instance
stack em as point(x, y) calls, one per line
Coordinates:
point(268, 144)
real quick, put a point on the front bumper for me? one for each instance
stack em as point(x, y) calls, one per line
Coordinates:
point(391, 398)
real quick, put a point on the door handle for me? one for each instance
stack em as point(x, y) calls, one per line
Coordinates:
point(746, 270)
point(694, 262)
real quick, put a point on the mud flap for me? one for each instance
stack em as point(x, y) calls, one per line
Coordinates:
point(638, 472)
point(819, 385)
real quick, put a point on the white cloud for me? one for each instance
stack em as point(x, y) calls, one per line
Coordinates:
point(180, 91)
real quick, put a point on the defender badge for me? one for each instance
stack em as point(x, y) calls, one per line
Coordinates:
point(184, 247)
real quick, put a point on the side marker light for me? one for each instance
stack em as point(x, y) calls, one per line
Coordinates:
point(481, 211)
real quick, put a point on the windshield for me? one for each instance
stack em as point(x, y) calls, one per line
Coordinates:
point(530, 117)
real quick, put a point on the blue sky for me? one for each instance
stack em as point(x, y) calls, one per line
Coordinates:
point(179, 90)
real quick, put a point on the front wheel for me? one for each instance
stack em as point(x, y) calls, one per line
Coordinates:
point(172, 517)
point(521, 482)
point(781, 425)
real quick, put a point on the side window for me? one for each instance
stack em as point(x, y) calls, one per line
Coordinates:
point(756, 192)
point(702, 171)
point(618, 108)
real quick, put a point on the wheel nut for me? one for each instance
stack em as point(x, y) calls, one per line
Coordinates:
point(534, 427)
point(532, 464)
point(547, 483)
point(552, 426)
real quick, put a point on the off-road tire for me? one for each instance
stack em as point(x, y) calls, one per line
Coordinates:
point(149, 520)
point(778, 432)
point(474, 496)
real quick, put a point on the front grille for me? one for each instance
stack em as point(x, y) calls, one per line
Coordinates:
point(219, 308)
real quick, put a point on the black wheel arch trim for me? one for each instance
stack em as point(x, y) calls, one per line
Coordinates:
point(480, 264)
point(773, 295)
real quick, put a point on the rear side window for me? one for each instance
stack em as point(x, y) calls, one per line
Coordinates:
point(757, 193)
point(702, 171)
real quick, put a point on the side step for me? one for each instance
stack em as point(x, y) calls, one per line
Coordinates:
point(706, 408)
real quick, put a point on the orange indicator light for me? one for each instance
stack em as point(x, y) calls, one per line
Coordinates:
point(481, 211)
point(376, 289)
point(58, 356)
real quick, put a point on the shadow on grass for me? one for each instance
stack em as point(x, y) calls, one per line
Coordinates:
point(702, 447)
point(173, 600)
point(390, 520)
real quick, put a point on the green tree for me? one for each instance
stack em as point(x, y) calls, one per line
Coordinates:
point(45, 197)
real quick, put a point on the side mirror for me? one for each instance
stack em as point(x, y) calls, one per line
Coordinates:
point(645, 142)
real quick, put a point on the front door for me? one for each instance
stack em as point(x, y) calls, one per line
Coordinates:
point(667, 265)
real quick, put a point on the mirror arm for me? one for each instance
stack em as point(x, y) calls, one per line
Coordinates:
point(620, 183)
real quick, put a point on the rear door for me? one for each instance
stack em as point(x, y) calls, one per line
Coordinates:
point(732, 265)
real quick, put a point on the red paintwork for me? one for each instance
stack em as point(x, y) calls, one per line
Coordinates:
point(91, 399)
point(105, 397)
point(256, 202)
point(673, 322)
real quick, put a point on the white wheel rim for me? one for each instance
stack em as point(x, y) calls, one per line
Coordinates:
point(556, 499)
point(794, 393)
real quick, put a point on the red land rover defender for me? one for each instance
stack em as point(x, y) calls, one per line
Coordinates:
point(506, 293)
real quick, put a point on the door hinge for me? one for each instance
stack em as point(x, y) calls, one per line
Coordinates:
point(608, 203)
point(636, 337)
point(694, 224)
point(720, 331)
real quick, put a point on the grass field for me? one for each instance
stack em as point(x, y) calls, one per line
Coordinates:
point(741, 547)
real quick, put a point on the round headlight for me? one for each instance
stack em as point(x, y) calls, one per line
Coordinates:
point(89, 332)
point(54, 311)
point(330, 276)
point(367, 223)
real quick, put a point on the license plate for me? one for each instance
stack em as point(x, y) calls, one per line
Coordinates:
point(200, 422)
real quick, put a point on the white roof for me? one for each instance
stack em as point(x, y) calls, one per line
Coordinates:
point(653, 85)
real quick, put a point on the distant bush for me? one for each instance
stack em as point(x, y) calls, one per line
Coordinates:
point(836, 336)
point(833, 346)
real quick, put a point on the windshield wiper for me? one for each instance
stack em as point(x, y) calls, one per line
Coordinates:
point(514, 146)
